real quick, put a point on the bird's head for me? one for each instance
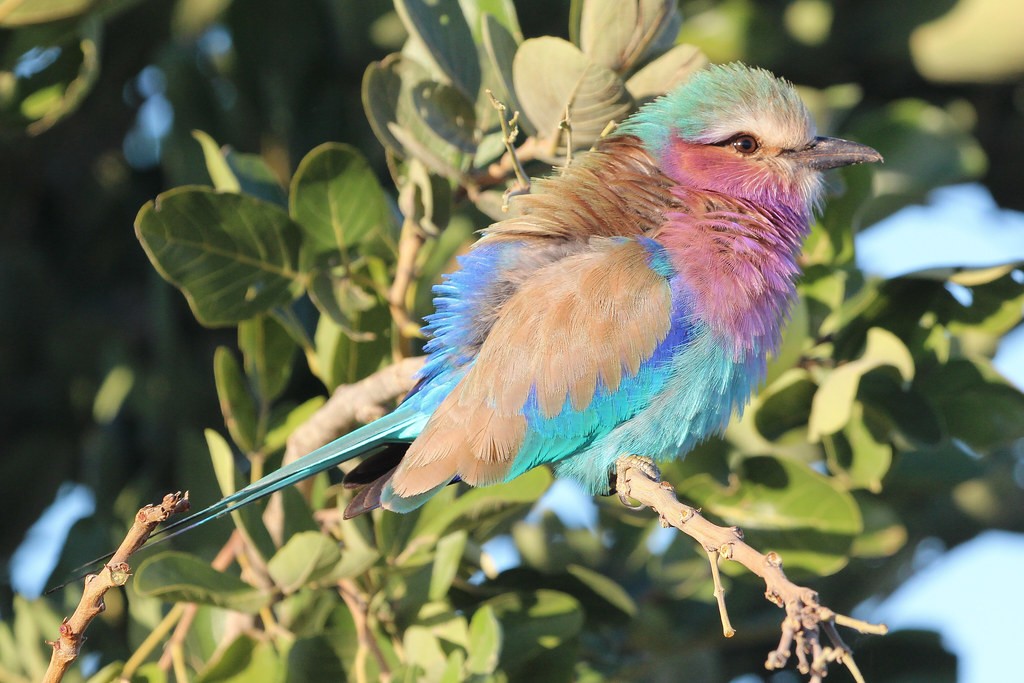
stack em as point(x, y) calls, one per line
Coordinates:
point(743, 132)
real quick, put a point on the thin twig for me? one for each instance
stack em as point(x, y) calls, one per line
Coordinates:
point(409, 244)
point(357, 606)
point(509, 133)
point(805, 618)
point(113, 574)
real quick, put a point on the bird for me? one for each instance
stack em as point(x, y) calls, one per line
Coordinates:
point(629, 307)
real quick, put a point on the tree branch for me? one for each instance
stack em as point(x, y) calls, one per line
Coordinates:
point(805, 618)
point(353, 404)
point(113, 574)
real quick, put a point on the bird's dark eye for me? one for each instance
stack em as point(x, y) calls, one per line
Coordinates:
point(745, 144)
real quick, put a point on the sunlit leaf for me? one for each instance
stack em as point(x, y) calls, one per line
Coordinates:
point(446, 564)
point(223, 177)
point(484, 641)
point(617, 34)
point(304, 559)
point(833, 402)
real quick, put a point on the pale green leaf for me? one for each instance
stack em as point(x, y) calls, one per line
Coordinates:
point(305, 558)
point(593, 95)
point(666, 72)
point(833, 402)
point(245, 660)
point(447, 558)
point(484, 641)
point(223, 177)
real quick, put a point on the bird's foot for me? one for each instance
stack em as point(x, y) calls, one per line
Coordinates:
point(637, 462)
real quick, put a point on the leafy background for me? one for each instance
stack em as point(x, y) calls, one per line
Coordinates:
point(291, 148)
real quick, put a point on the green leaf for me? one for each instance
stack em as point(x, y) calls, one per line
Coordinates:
point(884, 533)
point(666, 72)
point(50, 95)
point(337, 200)
point(977, 405)
point(447, 559)
point(285, 419)
point(342, 300)
point(313, 659)
point(243, 661)
point(612, 592)
point(345, 355)
point(785, 404)
point(423, 650)
point(533, 623)
point(833, 402)
point(453, 667)
point(476, 503)
point(594, 95)
point(382, 85)
point(858, 456)
point(501, 44)
point(441, 26)
point(435, 124)
point(255, 177)
point(23, 13)
point(268, 352)
point(781, 505)
point(304, 559)
point(179, 577)
point(223, 177)
point(236, 403)
point(232, 256)
point(484, 641)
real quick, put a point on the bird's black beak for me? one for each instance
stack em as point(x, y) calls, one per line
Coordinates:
point(825, 153)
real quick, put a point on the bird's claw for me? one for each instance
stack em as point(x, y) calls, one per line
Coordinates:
point(646, 466)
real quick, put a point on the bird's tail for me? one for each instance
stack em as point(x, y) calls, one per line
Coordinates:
point(401, 425)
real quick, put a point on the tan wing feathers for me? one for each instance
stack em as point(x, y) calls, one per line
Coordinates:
point(592, 317)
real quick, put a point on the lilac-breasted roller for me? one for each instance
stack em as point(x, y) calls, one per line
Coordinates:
point(629, 308)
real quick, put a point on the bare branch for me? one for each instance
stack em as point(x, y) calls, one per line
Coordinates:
point(409, 244)
point(113, 574)
point(353, 404)
point(806, 619)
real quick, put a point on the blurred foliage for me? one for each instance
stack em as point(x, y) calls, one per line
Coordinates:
point(883, 425)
